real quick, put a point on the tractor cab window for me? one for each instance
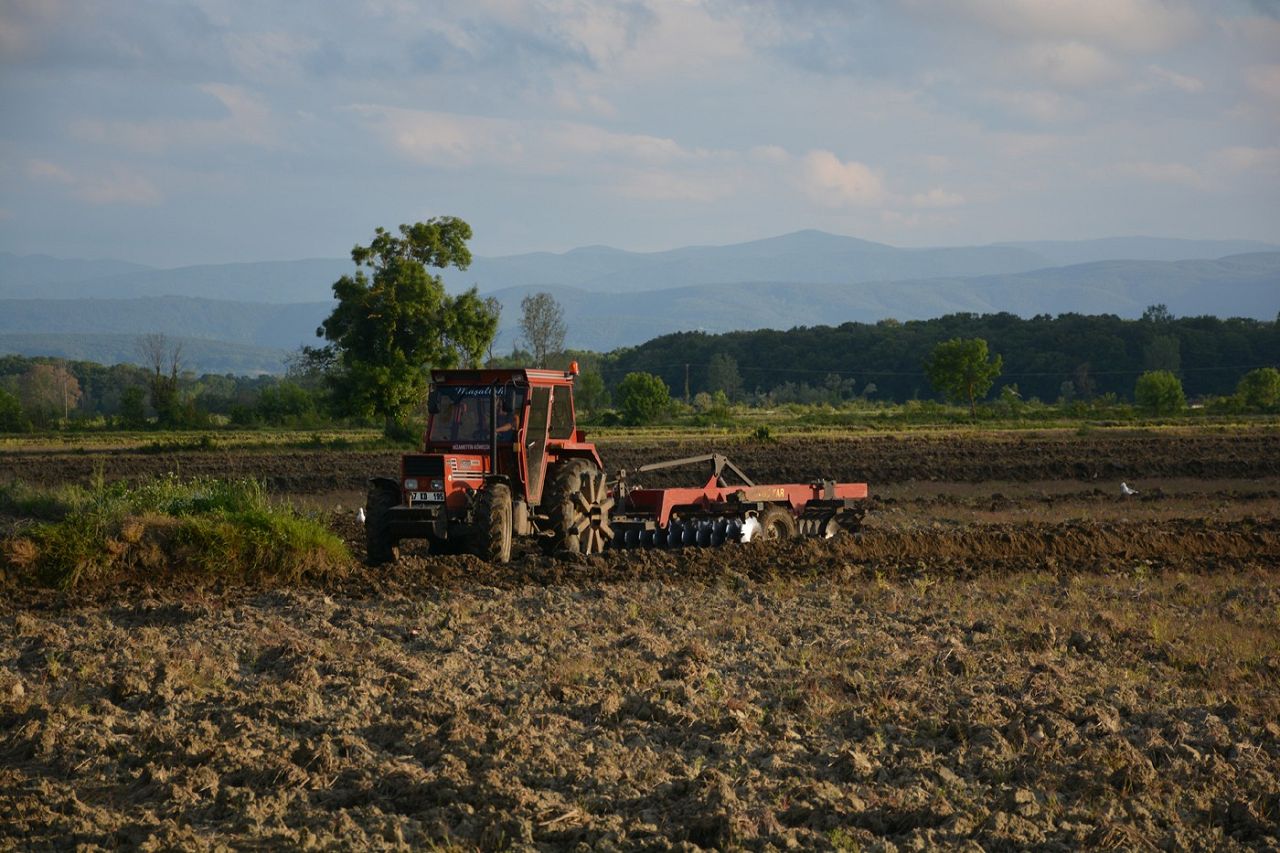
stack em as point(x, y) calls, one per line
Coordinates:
point(463, 415)
point(561, 414)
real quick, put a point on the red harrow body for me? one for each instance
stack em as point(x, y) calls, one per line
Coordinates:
point(721, 512)
point(502, 457)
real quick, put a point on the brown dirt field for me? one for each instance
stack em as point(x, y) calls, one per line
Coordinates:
point(1010, 654)
point(882, 460)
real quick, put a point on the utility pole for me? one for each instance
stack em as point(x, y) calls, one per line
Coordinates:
point(686, 383)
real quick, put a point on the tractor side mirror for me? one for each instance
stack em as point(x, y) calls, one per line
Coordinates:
point(508, 399)
point(433, 402)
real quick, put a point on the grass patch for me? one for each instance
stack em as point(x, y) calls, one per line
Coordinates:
point(206, 529)
point(19, 499)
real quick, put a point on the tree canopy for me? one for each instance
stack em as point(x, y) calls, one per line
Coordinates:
point(960, 370)
point(1260, 389)
point(392, 325)
point(1159, 392)
point(642, 397)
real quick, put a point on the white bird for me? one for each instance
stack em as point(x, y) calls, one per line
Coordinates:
point(360, 515)
point(1126, 490)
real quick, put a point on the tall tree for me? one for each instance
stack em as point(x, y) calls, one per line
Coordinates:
point(48, 392)
point(162, 356)
point(396, 322)
point(542, 322)
point(722, 375)
point(960, 369)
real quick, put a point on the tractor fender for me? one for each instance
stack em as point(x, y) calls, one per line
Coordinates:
point(390, 482)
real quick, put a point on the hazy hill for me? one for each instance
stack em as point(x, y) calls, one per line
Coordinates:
point(278, 327)
point(264, 281)
point(1238, 286)
point(198, 354)
point(804, 257)
point(1059, 253)
point(1241, 285)
point(28, 271)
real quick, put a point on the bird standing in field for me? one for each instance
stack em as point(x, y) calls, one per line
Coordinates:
point(1127, 491)
point(360, 515)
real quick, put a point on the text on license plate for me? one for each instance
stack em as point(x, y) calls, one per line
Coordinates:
point(426, 497)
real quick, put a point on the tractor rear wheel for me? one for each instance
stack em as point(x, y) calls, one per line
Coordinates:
point(577, 501)
point(380, 547)
point(776, 523)
point(492, 534)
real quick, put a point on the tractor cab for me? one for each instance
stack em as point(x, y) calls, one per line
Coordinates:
point(460, 415)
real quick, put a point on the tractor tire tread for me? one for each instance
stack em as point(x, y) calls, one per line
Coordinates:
point(493, 523)
point(380, 547)
point(558, 499)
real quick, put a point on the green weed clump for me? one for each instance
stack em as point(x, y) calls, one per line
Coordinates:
point(166, 527)
point(19, 499)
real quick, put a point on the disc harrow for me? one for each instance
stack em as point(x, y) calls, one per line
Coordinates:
point(721, 513)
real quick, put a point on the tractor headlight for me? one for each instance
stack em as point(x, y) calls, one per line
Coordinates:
point(411, 484)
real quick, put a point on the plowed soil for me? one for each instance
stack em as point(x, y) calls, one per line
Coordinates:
point(1011, 654)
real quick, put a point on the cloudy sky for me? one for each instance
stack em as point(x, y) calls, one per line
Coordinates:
point(173, 133)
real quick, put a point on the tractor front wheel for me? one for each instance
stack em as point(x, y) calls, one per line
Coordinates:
point(379, 545)
point(493, 523)
point(578, 503)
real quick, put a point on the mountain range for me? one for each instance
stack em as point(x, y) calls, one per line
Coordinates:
point(257, 312)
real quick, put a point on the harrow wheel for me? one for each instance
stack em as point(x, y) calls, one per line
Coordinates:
point(776, 523)
point(578, 504)
point(492, 535)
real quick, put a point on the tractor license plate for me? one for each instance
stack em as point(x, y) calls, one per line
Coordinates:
point(426, 497)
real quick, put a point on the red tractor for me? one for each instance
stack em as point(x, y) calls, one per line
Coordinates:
point(502, 456)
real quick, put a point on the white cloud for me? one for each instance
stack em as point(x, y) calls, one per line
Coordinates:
point(654, 185)
point(937, 163)
point(45, 170)
point(267, 55)
point(24, 24)
point(1040, 105)
point(937, 198)
point(834, 182)
point(684, 37)
point(584, 103)
point(1264, 79)
point(116, 186)
point(453, 140)
point(119, 187)
point(248, 122)
point(1071, 65)
point(1182, 82)
point(1133, 25)
point(1240, 158)
point(1175, 174)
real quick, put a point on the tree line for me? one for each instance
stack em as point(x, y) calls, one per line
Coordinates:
point(1071, 356)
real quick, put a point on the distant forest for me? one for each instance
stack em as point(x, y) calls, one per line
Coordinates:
point(1071, 355)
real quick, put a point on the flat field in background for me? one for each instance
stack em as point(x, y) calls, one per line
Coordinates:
point(1011, 653)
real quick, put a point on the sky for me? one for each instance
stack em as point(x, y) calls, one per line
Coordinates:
point(173, 133)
